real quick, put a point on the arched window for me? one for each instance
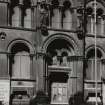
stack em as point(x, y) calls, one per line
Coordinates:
point(90, 65)
point(21, 13)
point(100, 21)
point(27, 14)
point(93, 74)
point(91, 19)
point(15, 13)
point(19, 63)
point(55, 14)
point(67, 16)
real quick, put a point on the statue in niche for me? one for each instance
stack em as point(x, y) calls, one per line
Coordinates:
point(44, 14)
point(58, 52)
point(64, 61)
point(55, 60)
point(64, 57)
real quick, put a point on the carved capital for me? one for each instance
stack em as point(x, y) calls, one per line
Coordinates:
point(40, 55)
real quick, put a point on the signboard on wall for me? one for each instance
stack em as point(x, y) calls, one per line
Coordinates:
point(59, 93)
point(5, 91)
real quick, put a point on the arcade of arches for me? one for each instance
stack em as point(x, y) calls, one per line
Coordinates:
point(61, 62)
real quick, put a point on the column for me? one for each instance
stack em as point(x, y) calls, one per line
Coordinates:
point(92, 25)
point(40, 71)
point(9, 15)
point(99, 25)
point(3, 65)
point(70, 85)
point(102, 26)
point(89, 28)
point(45, 75)
point(33, 10)
point(31, 67)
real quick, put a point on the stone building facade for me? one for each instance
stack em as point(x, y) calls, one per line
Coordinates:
point(34, 59)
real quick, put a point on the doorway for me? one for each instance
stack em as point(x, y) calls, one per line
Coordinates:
point(61, 71)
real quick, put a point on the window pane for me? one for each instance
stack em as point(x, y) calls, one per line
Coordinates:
point(15, 17)
point(21, 66)
point(67, 20)
point(56, 18)
point(3, 15)
point(90, 71)
point(99, 26)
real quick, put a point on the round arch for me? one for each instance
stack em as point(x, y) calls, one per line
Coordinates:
point(63, 53)
point(100, 1)
point(100, 4)
point(98, 47)
point(19, 63)
point(67, 38)
point(28, 44)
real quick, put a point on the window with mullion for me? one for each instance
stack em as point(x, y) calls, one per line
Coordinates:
point(90, 71)
point(21, 66)
point(20, 62)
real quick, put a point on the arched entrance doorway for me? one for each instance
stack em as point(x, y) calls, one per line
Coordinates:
point(61, 71)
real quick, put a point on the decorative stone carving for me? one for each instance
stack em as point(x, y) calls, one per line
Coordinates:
point(64, 61)
point(55, 61)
